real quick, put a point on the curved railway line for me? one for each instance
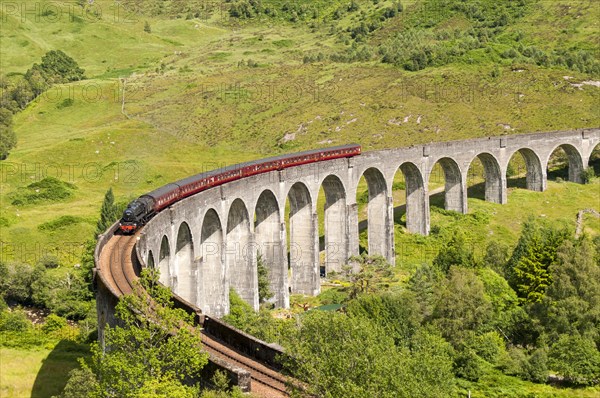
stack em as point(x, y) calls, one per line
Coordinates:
point(116, 269)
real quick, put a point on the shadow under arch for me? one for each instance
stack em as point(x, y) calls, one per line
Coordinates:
point(267, 235)
point(574, 162)
point(335, 224)
point(493, 186)
point(594, 160)
point(303, 241)
point(417, 217)
point(150, 260)
point(240, 255)
point(164, 256)
point(534, 173)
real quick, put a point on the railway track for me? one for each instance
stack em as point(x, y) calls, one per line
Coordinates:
point(264, 380)
point(117, 270)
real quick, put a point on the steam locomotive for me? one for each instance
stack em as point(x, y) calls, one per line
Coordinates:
point(146, 206)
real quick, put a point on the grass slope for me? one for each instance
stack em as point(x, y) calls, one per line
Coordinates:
point(193, 101)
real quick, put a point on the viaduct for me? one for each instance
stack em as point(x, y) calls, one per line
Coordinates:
point(208, 243)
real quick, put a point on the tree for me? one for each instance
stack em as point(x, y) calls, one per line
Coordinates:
point(398, 314)
point(375, 274)
point(38, 79)
point(461, 305)
point(424, 283)
point(82, 383)
point(259, 324)
point(342, 356)
point(506, 311)
point(528, 268)
point(456, 253)
point(576, 358)
point(264, 285)
point(58, 67)
point(496, 256)
point(22, 94)
point(6, 117)
point(109, 213)
point(153, 342)
point(572, 302)
point(8, 140)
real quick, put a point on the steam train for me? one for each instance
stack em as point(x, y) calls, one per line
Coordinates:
point(146, 206)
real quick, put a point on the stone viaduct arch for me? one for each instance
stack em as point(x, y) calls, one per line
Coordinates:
point(268, 231)
point(240, 254)
point(163, 264)
point(417, 201)
point(574, 161)
point(535, 177)
point(377, 211)
point(335, 223)
point(207, 243)
point(454, 185)
point(214, 284)
point(303, 241)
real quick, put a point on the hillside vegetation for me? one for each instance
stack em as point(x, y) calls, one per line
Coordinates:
point(206, 88)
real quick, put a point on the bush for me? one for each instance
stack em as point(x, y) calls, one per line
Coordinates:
point(49, 189)
point(14, 321)
point(82, 383)
point(587, 175)
point(54, 323)
point(49, 261)
point(537, 366)
point(489, 346)
point(16, 282)
point(467, 365)
point(59, 223)
point(577, 359)
point(8, 140)
point(513, 362)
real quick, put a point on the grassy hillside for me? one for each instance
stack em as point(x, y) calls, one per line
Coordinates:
point(205, 89)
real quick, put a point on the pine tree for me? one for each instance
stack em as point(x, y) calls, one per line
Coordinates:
point(528, 268)
point(264, 286)
point(108, 214)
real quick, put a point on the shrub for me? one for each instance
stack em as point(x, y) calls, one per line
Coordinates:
point(82, 383)
point(14, 321)
point(49, 261)
point(49, 189)
point(489, 346)
point(467, 365)
point(61, 222)
point(537, 366)
point(576, 358)
point(67, 102)
point(587, 175)
point(8, 140)
point(54, 323)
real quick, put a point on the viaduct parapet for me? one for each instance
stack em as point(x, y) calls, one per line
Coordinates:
point(208, 243)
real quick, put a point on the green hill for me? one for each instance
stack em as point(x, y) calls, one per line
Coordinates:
point(203, 88)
